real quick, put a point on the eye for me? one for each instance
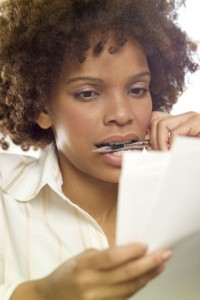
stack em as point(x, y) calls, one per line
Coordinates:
point(86, 95)
point(138, 91)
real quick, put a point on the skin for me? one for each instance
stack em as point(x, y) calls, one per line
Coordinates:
point(115, 101)
point(117, 272)
point(106, 96)
point(113, 108)
point(164, 128)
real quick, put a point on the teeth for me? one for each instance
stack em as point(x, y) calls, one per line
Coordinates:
point(120, 143)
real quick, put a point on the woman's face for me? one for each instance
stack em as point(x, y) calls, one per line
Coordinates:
point(105, 99)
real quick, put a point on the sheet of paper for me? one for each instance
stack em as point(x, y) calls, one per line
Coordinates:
point(159, 204)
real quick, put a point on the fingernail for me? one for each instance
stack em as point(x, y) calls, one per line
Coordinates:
point(166, 254)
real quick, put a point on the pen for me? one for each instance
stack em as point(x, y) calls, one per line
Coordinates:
point(123, 147)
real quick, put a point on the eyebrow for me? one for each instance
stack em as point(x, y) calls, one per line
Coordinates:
point(139, 75)
point(99, 80)
point(85, 78)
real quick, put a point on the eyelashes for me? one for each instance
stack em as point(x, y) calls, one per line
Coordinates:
point(138, 91)
point(86, 95)
point(91, 94)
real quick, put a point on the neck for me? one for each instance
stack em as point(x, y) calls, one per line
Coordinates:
point(96, 197)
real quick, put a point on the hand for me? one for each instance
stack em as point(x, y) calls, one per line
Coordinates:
point(115, 273)
point(164, 128)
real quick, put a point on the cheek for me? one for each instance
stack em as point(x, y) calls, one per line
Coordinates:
point(147, 117)
point(73, 125)
point(144, 113)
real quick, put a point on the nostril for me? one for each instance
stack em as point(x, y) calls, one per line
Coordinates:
point(121, 121)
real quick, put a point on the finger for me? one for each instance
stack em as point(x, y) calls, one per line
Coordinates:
point(136, 268)
point(88, 278)
point(163, 125)
point(189, 128)
point(116, 256)
point(168, 128)
point(122, 290)
point(156, 117)
point(162, 134)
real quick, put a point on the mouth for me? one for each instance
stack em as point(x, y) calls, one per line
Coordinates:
point(112, 148)
point(115, 145)
point(118, 143)
point(121, 146)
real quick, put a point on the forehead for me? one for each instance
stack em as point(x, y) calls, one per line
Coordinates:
point(129, 56)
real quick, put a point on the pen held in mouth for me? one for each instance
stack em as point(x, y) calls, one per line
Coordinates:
point(123, 147)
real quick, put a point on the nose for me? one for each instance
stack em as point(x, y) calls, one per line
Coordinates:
point(118, 110)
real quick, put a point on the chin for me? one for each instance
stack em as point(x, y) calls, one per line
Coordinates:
point(112, 177)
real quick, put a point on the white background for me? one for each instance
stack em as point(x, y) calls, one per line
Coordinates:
point(189, 20)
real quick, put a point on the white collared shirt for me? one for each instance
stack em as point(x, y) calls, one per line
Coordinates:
point(39, 227)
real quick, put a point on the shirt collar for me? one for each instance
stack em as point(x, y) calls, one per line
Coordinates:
point(27, 175)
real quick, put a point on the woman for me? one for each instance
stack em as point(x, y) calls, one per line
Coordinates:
point(75, 76)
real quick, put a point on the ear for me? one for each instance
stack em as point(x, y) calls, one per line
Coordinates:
point(44, 120)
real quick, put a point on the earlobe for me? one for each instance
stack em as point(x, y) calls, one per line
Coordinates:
point(44, 120)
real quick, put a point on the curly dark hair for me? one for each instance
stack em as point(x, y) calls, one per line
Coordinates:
point(39, 36)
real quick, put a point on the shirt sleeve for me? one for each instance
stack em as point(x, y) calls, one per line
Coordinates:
point(6, 290)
